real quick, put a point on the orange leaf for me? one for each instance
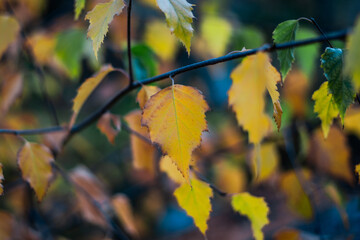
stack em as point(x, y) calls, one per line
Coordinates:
point(105, 126)
point(145, 93)
point(124, 212)
point(35, 163)
point(142, 151)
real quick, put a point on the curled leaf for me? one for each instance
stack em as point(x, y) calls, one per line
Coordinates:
point(110, 125)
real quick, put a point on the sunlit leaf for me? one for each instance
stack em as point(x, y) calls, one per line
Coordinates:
point(100, 18)
point(339, 86)
point(255, 208)
point(124, 212)
point(9, 29)
point(145, 93)
point(169, 167)
point(110, 125)
point(352, 60)
point(229, 177)
point(79, 6)
point(35, 161)
point(179, 17)
point(297, 200)
point(325, 107)
point(246, 95)
point(1, 179)
point(195, 200)
point(142, 151)
point(175, 117)
point(43, 47)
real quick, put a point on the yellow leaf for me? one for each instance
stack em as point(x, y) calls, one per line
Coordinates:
point(1, 179)
point(175, 117)
point(43, 47)
point(269, 161)
point(100, 18)
point(142, 151)
point(88, 87)
point(168, 166)
point(79, 6)
point(105, 126)
point(246, 95)
point(35, 161)
point(255, 208)
point(325, 107)
point(230, 178)
point(179, 18)
point(357, 170)
point(145, 93)
point(124, 212)
point(297, 199)
point(195, 200)
point(9, 29)
point(161, 41)
point(332, 155)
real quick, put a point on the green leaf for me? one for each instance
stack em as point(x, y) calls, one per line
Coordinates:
point(144, 60)
point(325, 107)
point(69, 51)
point(100, 18)
point(179, 17)
point(339, 86)
point(352, 59)
point(285, 32)
point(255, 208)
point(79, 6)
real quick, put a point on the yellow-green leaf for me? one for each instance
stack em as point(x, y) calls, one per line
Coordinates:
point(179, 17)
point(100, 18)
point(255, 208)
point(9, 29)
point(145, 93)
point(88, 87)
point(35, 161)
point(195, 200)
point(175, 117)
point(246, 95)
point(352, 60)
point(325, 107)
point(1, 179)
point(79, 6)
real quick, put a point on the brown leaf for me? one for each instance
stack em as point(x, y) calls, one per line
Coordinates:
point(55, 140)
point(6, 226)
point(277, 114)
point(106, 125)
point(124, 212)
point(142, 151)
point(35, 161)
point(11, 89)
point(89, 192)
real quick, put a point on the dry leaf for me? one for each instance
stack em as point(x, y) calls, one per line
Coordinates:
point(124, 212)
point(11, 90)
point(106, 125)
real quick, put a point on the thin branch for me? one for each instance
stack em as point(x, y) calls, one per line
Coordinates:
point(94, 116)
point(313, 22)
point(131, 76)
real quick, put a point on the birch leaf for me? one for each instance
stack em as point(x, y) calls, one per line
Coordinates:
point(169, 167)
point(325, 107)
point(175, 117)
point(145, 93)
point(179, 17)
point(246, 95)
point(35, 161)
point(1, 179)
point(195, 200)
point(100, 18)
point(9, 29)
point(79, 6)
point(255, 208)
point(110, 125)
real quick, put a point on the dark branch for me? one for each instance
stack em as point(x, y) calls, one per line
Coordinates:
point(94, 116)
point(131, 76)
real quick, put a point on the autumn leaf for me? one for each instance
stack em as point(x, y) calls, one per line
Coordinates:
point(35, 161)
point(339, 86)
point(287, 234)
point(269, 162)
point(297, 200)
point(100, 18)
point(168, 166)
point(12, 88)
point(255, 208)
point(1, 179)
point(142, 151)
point(145, 93)
point(179, 17)
point(124, 212)
point(43, 47)
point(230, 177)
point(110, 125)
point(9, 29)
point(87, 88)
point(351, 121)
point(175, 117)
point(195, 200)
point(79, 6)
point(325, 107)
point(246, 95)
point(352, 59)
point(285, 32)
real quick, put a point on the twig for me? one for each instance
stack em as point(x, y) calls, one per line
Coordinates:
point(312, 21)
point(131, 76)
point(94, 116)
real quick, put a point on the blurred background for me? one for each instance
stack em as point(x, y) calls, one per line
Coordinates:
point(309, 184)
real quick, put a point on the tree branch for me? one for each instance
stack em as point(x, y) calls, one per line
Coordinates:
point(131, 76)
point(94, 116)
